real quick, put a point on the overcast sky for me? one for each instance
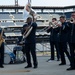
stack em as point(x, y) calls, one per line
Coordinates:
point(40, 2)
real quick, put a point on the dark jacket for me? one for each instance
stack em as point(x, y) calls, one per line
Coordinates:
point(63, 32)
point(71, 32)
point(32, 37)
point(53, 34)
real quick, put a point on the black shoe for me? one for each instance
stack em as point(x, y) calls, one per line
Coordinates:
point(28, 66)
point(62, 64)
point(35, 67)
point(49, 60)
point(70, 69)
point(58, 59)
point(1, 66)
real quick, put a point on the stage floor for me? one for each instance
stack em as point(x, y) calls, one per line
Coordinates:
point(44, 68)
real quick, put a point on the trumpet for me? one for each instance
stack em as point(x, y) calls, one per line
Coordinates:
point(72, 20)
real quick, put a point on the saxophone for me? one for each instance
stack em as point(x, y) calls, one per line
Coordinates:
point(1, 39)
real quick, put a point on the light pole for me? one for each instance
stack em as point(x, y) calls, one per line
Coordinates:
point(16, 2)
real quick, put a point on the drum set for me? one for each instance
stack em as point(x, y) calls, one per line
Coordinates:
point(15, 56)
point(9, 58)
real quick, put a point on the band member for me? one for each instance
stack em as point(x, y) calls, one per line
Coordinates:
point(53, 41)
point(63, 40)
point(1, 49)
point(30, 42)
point(71, 41)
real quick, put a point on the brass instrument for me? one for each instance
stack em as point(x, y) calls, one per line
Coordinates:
point(1, 38)
point(53, 24)
point(44, 29)
point(26, 30)
point(25, 34)
point(72, 20)
point(28, 11)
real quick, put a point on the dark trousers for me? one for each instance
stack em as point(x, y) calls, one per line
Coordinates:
point(54, 44)
point(2, 54)
point(23, 49)
point(72, 53)
point(63, 49)
point(31, 50)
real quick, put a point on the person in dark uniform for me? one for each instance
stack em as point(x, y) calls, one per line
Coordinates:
point(62, 29)
point(71, 41)
point(53, 41)
point(30, 43)
point(1, 49)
